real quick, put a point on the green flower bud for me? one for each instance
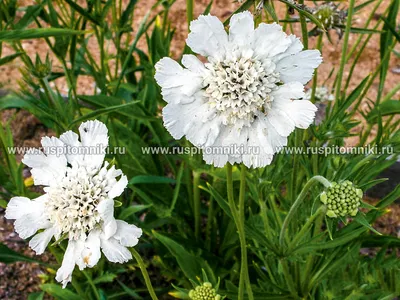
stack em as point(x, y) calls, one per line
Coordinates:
point(204, 292)
point(41, 69)
point(331, 17)
point(344, 199)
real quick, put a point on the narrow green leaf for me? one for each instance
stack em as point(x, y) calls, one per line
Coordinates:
point(360, 218)
point(35, 33)
point(108, 277)
point(83, 12)
point(150, 179)
point(9, 256)
point(102, 111)
point(36, 296)
point(190, 264)
point(58, 292)
point(305, 13)
point(386, 108)
point(127, 212)
point(7, 59)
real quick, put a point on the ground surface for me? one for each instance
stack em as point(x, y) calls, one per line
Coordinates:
point(17, 280)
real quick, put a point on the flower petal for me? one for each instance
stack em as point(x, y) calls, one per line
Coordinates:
point(48, 166)
point(17, 207)
point(269, 40)
point(118, 187)
point(301, 112)
point(178, 84)
point(94, 135)
point(299, 67)
point(241, 28)
point(106, 212)
point(128, 235)
point(71, 139)
point(29, 223)
point(40, 241)
point(207, 36)
point(64, 273)
point(91, 252)
point(180, 118)
point(114, 251)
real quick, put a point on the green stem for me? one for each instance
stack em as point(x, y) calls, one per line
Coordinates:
point(288, 278)
point(344, 51)
point(93, 286)
point(144, 273)
point(196, 203)
point(315, 79)
point(298, 202)
point(189, 12)
point(306, 226)
point(244, 267)
point(238, 217)
point(304, 30)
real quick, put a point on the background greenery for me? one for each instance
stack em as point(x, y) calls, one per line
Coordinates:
point(189, 233)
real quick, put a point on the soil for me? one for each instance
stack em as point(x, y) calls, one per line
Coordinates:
point(22, 278)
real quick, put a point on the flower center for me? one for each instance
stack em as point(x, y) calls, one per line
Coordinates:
point(239, 88)
point(73, 201)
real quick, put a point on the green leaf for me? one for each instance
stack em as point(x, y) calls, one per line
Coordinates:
point(58, 292)
point(367, 205)
point(129, 291)
point(360, 218)
point(108, 277)
point(134, 112)
point(360, 30)
point(31, 12)
point(372, 183)
point(83, 12)
point(336, 242)
point(351, 98)
point(389, 199)
point(386, 108)
point(3, 203)
point(190, 264)
point(151, 179)
point(9, 256)
point(35, 33)
point(9, 58)
point(127, 212)
point(305, 13)
point(36, 296)
point(101, 111)
point(243, 7)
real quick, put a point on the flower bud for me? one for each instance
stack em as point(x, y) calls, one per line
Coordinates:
point(41, 69)
point(204, 292)
point(341, 199)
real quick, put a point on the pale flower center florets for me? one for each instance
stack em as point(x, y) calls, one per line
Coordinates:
point(240, 87)
point(73, 201)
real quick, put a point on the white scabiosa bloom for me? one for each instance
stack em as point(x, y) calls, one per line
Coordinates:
point(78, 201)
point(246, 94)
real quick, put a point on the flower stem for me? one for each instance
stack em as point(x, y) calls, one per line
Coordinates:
point(189, 11)
point(306, 226)
point(238, 217)
point(315, 79)
point(298, 202)
point(244, 267)
point(344, 51)
point(93, 286)
point(145, 274)
point(304, 30)
point(196, 203)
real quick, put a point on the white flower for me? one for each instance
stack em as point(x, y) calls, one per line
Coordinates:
point(321, 93)
point(78, 202)
point(244, 95)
